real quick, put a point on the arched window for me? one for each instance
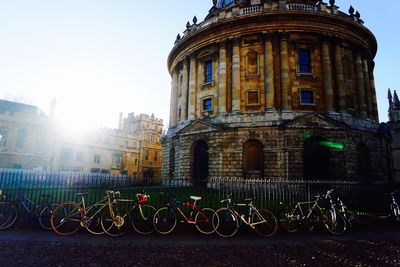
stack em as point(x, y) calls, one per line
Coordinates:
point(252, 63)
point(200, 163)
point(171, 173)
point(316, 159)
point(363, 162)
point(253, 160)
point(3, 136)
point(21, 139)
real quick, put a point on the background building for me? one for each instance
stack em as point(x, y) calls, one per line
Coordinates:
point(24, 136)
point(268, 89)
point(32, 140)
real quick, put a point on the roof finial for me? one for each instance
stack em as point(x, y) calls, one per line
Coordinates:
point(396, 101)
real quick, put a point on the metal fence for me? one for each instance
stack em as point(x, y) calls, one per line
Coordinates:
point(367, 198)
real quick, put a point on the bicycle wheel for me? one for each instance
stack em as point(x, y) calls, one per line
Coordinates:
point(289, 219)
point(164, 220)
point(265, 222)
point(92, 220)
point(225, 222)
point(45, 216)
point(115, 220)
point(204, 222)
point(333, 221)
point(66, 218)
point(8, 215)
point(142, 219)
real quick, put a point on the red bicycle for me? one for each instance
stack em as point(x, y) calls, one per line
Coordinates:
point(165, 218)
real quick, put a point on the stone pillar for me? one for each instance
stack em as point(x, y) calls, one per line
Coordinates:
point(340, 79)
point(174, 100)
point(222, 78)
point(184, 89)
point(236, 76)
point(285, 82)
point(373, 92)
point(362, 106)
point(269, 74)
point(367, 88)
point(192, 89)
point(327, 76)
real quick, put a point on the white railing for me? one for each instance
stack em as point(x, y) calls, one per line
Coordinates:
point(300, 7)
point(251, 10)
point(207, 23)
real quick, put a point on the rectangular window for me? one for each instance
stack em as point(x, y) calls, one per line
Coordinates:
point(307, 97)
point(253, 97)
point(79, 157)
point(207, 104)
point(208, 71)
point(21, 139)
point(147, 153)
point(117, 160)
point(304, 60)
point(97, 158)
point(179, 113)
point(3, 137)
point(155, 155)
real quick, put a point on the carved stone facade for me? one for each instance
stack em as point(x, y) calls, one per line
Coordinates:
point(264, 88)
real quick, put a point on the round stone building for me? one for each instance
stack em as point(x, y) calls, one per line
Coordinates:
point(274, 89)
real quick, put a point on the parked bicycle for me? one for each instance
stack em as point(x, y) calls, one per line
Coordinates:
point(349, 215)
point(394, 205)
point(165, 218)
point(10, 211)
point(102, 217)
point(227, 220)
point(142, 214)
point(322, 211)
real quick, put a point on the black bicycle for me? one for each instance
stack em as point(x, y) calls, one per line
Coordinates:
point(10, 211)
point(394, 205)
point(322, 211)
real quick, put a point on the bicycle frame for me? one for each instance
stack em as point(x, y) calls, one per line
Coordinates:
point(194, 208)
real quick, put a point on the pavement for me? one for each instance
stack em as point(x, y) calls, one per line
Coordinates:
point(369, 246)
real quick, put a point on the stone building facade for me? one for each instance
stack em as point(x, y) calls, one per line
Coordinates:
point(29, 139)
point(274, 89)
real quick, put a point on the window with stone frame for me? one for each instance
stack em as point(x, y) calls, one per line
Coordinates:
point(155, 155)
point(304, 60)
point(97, 158)
point(347, 68)
point(307, 97)
point(180, 85)
point(208, 71)
point(66, 154)
point(146, 154)
point(116, 161)
point(253, 159)
point(253, 98)
point(21, 138)
point(252, 63)
point(207, 104)
point(3, 136)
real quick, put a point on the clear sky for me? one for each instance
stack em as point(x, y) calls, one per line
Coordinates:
point(102, 57)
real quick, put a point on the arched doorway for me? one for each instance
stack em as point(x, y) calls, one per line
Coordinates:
point(364, 162)
point(316, 159)
point(253, 160)
point(200, 163)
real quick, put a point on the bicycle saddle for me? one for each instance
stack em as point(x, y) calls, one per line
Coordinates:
point(81, 194)
point(195, 198)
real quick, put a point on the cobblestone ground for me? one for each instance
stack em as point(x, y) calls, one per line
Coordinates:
point(330, 253)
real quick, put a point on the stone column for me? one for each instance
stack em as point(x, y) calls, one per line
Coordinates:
point(362, 106)
point(184, 89)
point(373, 92)
point(269, 74)
point(192, 89)
point(367, 88)
point(340, 78)
point(285, 82)
point(327, 76)
point(174, 100)
point(236, 76)
point(222, 79)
